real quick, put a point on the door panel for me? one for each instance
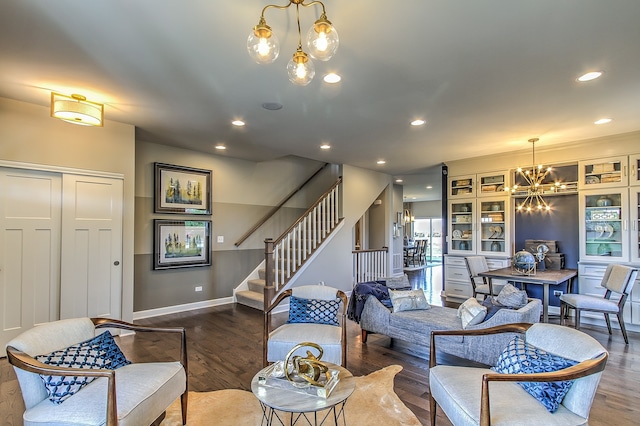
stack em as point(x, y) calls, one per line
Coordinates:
point(29, 250)
point(91, 282)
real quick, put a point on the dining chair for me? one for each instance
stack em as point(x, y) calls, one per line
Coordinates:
point(617, 279)
point(476, 265)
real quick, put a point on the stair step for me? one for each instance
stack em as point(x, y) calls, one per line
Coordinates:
point(257, 285)
point(252, 299)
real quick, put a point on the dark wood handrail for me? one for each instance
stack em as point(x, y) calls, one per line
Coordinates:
point(370, 250)
point(273, 211)
point(313, 206)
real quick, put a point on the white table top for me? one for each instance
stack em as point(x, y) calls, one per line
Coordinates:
point(296, 402)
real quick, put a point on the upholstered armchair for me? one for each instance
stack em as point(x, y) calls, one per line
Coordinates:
point(317, 313)
point(514, 392)
point(106, 389)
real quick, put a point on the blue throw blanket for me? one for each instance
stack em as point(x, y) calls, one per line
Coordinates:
point(359, 296)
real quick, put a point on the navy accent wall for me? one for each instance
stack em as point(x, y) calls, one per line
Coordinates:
point(561, 225)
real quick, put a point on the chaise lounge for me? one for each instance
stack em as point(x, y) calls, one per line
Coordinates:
point(416, 325)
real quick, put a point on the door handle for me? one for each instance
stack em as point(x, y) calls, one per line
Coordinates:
point(116, 263)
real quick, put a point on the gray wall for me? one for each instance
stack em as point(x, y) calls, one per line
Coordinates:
point(242, 193)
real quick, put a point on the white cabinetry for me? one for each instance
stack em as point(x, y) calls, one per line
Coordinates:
point(480, 226)
point(489, 184)
point(634, 170)
point(604, 216)
point(457, 283)
point(603, 173)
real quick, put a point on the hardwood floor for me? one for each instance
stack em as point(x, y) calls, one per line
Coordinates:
point(225, 351)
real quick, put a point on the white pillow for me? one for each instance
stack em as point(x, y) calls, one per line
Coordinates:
point(408, 300)
point(471, 312)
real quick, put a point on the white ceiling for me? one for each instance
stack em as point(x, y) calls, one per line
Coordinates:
point(487, 75)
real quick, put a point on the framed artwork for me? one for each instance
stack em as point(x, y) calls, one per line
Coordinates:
point(181, 243)
point(182, 189)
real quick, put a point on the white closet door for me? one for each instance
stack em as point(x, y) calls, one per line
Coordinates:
point(91, 279)
point(29, 250)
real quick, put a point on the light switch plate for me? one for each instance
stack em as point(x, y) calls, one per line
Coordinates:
point(221, 238)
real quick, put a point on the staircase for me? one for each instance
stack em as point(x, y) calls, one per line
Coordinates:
point(285, 256)
point(254, 296)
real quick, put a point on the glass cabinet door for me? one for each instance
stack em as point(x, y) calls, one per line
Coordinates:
point(604, 234)
point(635, 227)
point(492, 184)
point(461, 227)
point(634, 170)
point(462, 186)
point(493, 238)
point(603, 173)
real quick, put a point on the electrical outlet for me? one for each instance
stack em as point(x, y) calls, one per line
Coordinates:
point(557, 293)
point(199, 288)
point(221, 238)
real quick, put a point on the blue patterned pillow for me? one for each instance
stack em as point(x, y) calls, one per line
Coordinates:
point(520, 357)
point(313, 311)
point(98, 352)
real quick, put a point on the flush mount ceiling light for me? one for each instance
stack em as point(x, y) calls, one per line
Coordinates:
point(322, 42)
point(535, 186)
point(590, 76)
point(77, 109)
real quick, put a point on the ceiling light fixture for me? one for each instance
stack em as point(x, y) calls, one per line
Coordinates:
point(534, 179)
point(332, 78)
point(220, 147)
point(418, 122)
point(381, 162)
point(77, 109)
point(590, 76)
point(325, 146)
point(322, 42)
point(238, 123)
point(602, 121)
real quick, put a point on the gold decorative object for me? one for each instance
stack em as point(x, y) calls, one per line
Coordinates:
point(310, 368)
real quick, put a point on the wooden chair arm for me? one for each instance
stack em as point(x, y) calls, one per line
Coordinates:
point(26, 362)
point(582, 369)
point(114, 323)
point(521, 327)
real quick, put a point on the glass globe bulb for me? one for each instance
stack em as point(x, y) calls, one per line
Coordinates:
point(263, 46)
point(322, 40)
point(300, 69)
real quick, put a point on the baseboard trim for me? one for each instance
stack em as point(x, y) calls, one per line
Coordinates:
point(150, 313)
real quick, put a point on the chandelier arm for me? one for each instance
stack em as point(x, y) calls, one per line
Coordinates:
point(313, 3)
point(299, 33)
point(274, 6)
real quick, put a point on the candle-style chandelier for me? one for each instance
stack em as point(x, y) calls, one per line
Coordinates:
point(322, 42)
point(535, 185)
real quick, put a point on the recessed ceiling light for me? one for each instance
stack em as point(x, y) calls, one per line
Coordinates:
point(603, 121)
point(399, 180)
point(413, 198)
point(418, 122)
point(272, 106)
point(429, 187)
point(381, 162)
point(325, 146)
point(332, 78)
point(238, 123)
point(590, 76)
point(220, 147)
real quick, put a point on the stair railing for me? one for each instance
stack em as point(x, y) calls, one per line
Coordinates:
point(285, 255)
point(369, 265)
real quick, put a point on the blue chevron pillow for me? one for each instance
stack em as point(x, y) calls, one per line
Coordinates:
point(314, 311)
point(98, 352)
point(520, 357)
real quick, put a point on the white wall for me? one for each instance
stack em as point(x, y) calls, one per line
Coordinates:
point(333, 264)
point(29, 135)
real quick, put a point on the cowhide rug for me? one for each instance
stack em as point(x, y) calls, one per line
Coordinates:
point(373, 402)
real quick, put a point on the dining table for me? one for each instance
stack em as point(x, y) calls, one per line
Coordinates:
point(545, 278)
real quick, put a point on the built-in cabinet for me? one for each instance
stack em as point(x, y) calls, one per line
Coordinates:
point(609, 225)
point(479, 224)
point(457, 282)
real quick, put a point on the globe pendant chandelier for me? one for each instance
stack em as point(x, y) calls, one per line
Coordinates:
point(534, 178)
point(322, 43)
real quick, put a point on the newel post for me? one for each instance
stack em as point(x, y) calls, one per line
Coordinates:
point(269, 292)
